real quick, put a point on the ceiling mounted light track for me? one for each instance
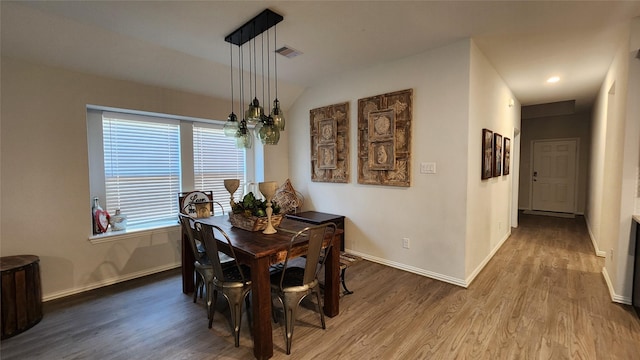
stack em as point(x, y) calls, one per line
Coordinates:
point(268, 127)
point(254, 27)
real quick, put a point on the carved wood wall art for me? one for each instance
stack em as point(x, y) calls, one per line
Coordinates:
point(330, 143)
point(384, 139)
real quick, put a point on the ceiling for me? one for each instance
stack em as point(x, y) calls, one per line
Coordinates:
point(180, 44)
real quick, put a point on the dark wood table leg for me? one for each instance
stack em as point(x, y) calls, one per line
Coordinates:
point(261, 296)
point(332, 280)
point(187, 266)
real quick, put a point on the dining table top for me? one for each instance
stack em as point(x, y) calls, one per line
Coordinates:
point(255, 243)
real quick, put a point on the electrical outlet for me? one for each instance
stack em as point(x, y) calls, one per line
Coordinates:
point(405, 243)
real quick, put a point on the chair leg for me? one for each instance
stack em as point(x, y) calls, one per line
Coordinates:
point(317, 291)
point(344, 285)
point(290, 305)
point(249, 312)
point(274, 312)
point(235, 306)
point(197, 286)
point(212, 298)
point(289, 322)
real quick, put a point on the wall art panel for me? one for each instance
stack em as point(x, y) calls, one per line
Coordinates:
point(384, 139)
point(330, 143)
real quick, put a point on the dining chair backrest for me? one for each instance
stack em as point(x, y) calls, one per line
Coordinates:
point(198, 204)
point(187, 224)
point(207, 233)
point(315, 255)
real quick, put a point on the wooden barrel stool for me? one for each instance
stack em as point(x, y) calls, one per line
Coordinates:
point(21, 294)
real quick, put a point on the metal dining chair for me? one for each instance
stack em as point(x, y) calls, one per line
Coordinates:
point(202, 266)
point(234, 281)
point(203, 272)
point(292, 284)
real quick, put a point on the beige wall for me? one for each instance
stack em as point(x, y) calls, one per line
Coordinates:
point(576, 126)
point(433, 211)
point(489, 202)
point(615, 155)
point(46, 203)
point(45, 184)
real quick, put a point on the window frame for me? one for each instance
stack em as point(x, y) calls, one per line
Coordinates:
point(97, 167)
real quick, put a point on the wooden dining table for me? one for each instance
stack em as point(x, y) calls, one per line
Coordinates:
point(260, 251)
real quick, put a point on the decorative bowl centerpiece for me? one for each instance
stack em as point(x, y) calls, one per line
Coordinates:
point(251, 214)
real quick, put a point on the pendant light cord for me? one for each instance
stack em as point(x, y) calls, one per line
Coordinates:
point(269, 70)
point(275, 56)
point(231, 53)
point(262, 39)
point(255, 68)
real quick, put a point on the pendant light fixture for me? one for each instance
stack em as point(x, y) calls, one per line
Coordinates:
point(269, 134)
point(231, 126)
point(277, 114)
point(255, 111)
point(267, 127)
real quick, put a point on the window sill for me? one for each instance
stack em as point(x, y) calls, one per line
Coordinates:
point(149, 229)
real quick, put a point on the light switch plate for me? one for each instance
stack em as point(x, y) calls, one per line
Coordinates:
point(428, 168)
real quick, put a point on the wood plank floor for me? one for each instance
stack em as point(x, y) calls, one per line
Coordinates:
point(541, 297)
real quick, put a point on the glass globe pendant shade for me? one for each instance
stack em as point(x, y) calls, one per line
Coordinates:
point(243, 136)
point(259, 126)
point(269, 133)
point(255, 112)
point(244, 141)
point(231, 126)
point(278, 115)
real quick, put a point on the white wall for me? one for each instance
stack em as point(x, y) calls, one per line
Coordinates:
point(630, 163)
point(432, 212)
point(614, 166)
point(46, 204)
point(488, 219)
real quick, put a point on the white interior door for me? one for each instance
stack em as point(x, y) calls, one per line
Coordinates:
point(554, 176)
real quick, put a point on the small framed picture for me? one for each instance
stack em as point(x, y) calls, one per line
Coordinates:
point(506, 156)
point(381, 125)
point(382, 155)
point(328, 130)
point(487, 153)
point(327, 156)
point(497, 154)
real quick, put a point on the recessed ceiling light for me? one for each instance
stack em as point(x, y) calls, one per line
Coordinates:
point(553, 79)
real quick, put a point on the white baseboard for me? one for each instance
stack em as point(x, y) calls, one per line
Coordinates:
point(415, 270)
point(484, 263)
point(550, 213)
point(110, 281)
point(614, 297)
point(434, 275)
point(598, 252)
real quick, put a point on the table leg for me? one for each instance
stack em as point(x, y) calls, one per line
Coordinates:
point(332, 280)
point(187, 266)
point(261, 296)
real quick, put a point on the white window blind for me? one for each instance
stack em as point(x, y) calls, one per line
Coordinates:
point(215, 158)
point(142, 167)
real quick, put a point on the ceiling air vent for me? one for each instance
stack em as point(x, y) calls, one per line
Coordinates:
point(288, 52)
